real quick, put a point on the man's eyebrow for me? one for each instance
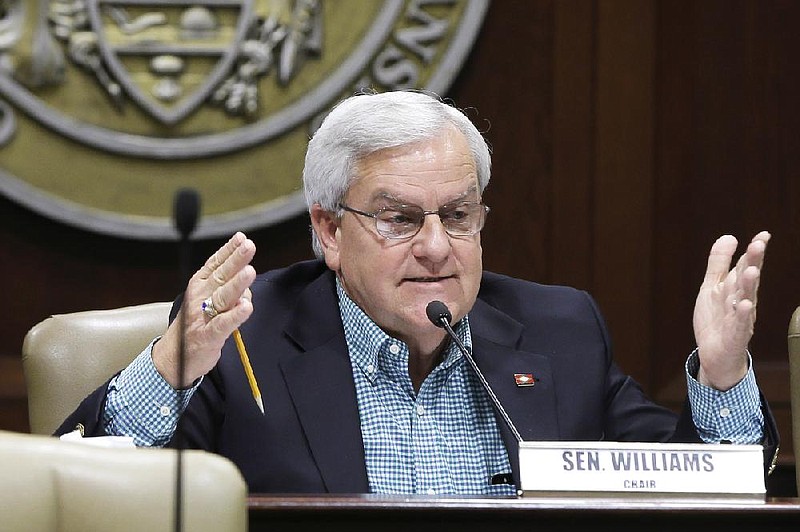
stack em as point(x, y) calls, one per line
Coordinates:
point(391, 198)
point(471, 190)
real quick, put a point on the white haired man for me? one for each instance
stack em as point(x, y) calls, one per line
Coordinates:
point(362, 392)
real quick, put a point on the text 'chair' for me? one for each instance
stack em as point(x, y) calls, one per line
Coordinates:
point(48, 484)
point(66, 356)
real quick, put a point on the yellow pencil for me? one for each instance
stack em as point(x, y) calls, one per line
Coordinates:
point(237, 337)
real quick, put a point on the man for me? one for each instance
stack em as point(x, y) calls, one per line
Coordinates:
point(362, 392)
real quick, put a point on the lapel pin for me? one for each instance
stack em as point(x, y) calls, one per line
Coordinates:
point(524, 379)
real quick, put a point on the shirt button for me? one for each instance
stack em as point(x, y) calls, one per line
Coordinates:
point(394, 349)
point(165, 410)
point(431, 491)
point(370, 368)
point(724, 411)
point(420, 410)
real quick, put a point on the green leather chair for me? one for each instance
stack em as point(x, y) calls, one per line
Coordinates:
point(794, 372)
point(67, 356)
point(48, 484)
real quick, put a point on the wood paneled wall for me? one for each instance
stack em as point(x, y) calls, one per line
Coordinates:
point(627, 136)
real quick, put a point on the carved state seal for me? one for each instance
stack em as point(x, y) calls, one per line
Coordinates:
point(107, 107)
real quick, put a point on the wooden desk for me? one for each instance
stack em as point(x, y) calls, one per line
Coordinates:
point(421, 514)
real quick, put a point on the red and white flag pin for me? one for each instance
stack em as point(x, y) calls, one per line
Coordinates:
point(524, 379)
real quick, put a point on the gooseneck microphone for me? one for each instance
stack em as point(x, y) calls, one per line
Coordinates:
point(440, 316)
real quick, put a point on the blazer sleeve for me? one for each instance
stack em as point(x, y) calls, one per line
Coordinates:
point(88, 417)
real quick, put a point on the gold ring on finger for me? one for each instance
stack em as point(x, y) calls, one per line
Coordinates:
point(208, 307)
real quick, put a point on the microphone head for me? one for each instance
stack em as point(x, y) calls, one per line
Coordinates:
point(437, 312)
point(186, 211)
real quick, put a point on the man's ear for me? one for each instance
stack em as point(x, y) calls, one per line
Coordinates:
point(326, 224)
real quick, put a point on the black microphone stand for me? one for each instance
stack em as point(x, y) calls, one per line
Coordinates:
point(186, 212)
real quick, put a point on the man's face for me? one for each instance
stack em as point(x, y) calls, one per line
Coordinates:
point(394, 280)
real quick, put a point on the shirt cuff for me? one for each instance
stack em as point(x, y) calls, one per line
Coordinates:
point(142, 404)
point(732, 416)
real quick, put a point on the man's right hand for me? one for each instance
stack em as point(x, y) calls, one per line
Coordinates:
point(225, 278)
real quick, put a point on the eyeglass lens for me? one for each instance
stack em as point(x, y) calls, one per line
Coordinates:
point(461, 219)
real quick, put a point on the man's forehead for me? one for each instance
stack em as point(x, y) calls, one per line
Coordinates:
point(440, 168)
point(399, 194)
point(449, 149)
point(469, 190)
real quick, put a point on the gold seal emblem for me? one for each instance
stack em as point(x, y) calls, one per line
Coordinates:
point(107, 107)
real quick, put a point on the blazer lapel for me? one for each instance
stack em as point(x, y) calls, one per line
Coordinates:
point(532, 409)
point(320, 382)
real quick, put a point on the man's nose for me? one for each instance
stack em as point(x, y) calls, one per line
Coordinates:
point(432, 241)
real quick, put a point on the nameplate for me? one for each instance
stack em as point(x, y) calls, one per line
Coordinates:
point(669, 470)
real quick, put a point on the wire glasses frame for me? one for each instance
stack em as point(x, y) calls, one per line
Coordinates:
point(398, 222)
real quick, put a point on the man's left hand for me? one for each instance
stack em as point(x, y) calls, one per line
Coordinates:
point(725, 311)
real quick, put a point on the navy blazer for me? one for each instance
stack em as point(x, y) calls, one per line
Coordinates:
point(309, 440)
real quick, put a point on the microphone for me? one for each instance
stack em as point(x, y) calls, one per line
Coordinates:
point(440, 316)
point(185, 213)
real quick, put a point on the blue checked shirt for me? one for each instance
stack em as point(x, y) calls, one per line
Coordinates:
point(734, 415)
point(443, 439)
point(140, 403)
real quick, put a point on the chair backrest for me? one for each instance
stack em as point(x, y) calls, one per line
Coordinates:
point(794, 376)
point(47, 484)
point(67, 356)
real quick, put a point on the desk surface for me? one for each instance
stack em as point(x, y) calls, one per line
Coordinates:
point(420, 514)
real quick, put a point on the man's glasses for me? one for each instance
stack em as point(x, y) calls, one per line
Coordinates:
point(405, 221)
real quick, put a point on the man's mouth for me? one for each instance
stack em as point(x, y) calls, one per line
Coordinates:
point(428, 279)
